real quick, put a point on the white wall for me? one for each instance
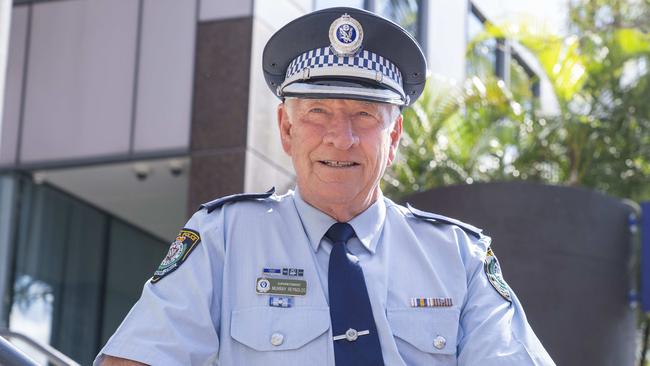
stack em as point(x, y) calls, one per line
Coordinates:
point(266, 163)
point(447, 38)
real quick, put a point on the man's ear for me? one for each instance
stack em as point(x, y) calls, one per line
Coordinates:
point(395, 135)
point(284, 124)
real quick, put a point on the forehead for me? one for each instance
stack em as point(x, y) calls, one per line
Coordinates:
point(337, 103)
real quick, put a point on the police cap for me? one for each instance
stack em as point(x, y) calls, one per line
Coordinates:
point(345, 53)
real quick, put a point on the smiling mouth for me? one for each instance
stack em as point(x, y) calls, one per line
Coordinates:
point(338, 164)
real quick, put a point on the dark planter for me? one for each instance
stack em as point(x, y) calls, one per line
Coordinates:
point(565, 252)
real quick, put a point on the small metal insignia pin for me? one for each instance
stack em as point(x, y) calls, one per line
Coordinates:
point(271, 271)
point(281, 301)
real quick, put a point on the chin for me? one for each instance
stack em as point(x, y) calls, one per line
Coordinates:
point(335, 193)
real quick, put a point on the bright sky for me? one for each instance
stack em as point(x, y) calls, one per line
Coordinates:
point(552, 13)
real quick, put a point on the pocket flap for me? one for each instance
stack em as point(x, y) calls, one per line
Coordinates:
point(273, 328)
point(429, 330)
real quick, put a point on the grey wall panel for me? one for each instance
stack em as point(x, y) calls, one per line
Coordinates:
point(14, 85)
point(80, 80)
point(165, 66)
point(224, 9)
point(565, 252)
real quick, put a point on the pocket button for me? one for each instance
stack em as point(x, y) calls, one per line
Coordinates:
point(439, 342)
point(277, 339)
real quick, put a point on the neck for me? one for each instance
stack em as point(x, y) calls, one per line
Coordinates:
point(345, 210)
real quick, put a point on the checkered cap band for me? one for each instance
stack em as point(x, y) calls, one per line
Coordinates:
point(323, 57)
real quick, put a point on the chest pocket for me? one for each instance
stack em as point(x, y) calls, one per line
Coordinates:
point(281, 329)
point(426, 334)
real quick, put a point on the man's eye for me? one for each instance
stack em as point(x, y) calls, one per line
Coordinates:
point(364, 113)
point(317, 110)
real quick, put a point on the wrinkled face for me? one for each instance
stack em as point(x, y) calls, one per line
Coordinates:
point(340, 148)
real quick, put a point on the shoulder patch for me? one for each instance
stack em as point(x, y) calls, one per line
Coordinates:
point(213, 205)
point(494, 275)
point(179, 250)
point(428, 216)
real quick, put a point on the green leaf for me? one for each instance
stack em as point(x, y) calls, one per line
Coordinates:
point(632, 41)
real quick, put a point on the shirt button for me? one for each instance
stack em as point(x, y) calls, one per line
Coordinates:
point(277, 339)
point(439, 342)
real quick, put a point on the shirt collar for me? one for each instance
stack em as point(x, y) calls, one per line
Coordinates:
point(367, 225)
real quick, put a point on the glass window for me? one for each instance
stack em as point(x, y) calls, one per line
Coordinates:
point(482, 59)
point(474, 26)
point(7, 213)
point(133, 256)
point(77, 272)
point(58, 272)
point(402, 12)
point(496, 57)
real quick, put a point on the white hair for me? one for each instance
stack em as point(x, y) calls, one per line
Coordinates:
point(395, 112)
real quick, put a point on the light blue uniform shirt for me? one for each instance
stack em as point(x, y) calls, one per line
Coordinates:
point(208, 310)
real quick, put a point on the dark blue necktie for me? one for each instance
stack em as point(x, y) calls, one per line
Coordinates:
point(356, 342)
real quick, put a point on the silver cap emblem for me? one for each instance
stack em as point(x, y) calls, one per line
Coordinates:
point(346, 35)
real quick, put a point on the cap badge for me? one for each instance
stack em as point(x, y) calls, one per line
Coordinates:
point(346, 35)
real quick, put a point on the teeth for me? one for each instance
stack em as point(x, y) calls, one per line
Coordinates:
point(335, 163)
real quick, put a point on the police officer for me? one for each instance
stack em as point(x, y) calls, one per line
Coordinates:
point(333, 273)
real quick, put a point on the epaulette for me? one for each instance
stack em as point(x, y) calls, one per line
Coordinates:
point(213, 205)
point(431, 217)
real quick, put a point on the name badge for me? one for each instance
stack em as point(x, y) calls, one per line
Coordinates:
point(280, 286)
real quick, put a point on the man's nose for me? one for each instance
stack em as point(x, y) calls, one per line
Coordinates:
point(341, 133)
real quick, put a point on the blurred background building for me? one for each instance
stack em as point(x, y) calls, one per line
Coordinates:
point(119, 117)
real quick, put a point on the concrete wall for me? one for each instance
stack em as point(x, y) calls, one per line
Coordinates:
point(220, 109)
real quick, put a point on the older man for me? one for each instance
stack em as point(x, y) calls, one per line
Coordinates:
point(332, 273)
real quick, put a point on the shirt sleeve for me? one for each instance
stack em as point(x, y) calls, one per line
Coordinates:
point(494, 329)
point(176, 319)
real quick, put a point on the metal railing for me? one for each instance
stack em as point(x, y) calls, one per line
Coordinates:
point(10, 355)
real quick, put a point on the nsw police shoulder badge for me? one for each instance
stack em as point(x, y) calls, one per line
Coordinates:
point(494, 275)
point(178, 251)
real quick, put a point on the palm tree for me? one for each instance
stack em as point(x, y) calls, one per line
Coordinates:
point(487, 130)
